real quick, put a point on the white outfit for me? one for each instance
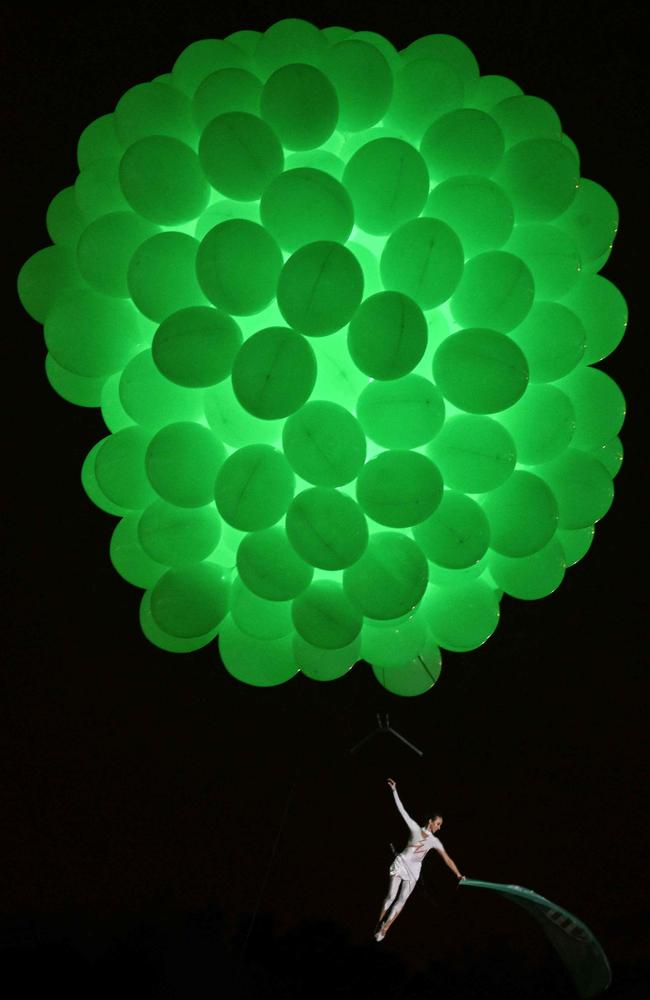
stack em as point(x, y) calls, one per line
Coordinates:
point(406, 866)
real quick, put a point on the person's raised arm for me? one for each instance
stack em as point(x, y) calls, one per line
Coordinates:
point(412, 825)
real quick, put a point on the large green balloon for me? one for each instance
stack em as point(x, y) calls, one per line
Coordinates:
point(238, 264)
point(326, 528)
point(399, 488)
point(319, 288)
point(274, 373)
point(324, 444)
point(402, 413)
point(389, 579)
point(325, 617)
point(270, 566)
point(480, 371)
point(388, 182)
point(474, 454)
point(254, 487)
point(387, 336)
point(240, 155)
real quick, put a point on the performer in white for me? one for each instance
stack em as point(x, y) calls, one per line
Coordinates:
point(406, 866)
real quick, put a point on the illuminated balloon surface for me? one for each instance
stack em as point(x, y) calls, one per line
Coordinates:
point(340, 307)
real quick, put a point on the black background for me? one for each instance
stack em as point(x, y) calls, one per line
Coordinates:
point(152, 804)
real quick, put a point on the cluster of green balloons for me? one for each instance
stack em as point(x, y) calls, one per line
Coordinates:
point(340, 307)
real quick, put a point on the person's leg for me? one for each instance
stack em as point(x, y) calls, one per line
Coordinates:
point(393, 890)
point(406, 889)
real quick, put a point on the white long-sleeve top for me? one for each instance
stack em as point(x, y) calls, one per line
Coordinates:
point(408, 862)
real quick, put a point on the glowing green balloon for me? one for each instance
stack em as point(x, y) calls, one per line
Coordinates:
point(152, 400)
point(530, 577)
point(43, 279)
point(480, 371)
point(175, 535)
point(526, 117)
point(162, 180)
point(402, 413)
point(388, 182)
point(270, 567)
point(237, 265)
point(326, 528)
point(254, 487)
point(232, 423)
point(575, 543)
point(65, 221)
point(599, 407)
point(162, 639)
point(258, 617)
point(423, 259)
point(542, 423)
point(592, 220)
point(601, 308)
point(425, 89)
point(153, 109)
point(389, 579)
point(191, 600)
point(391, 645)
point(106, 247)
point(486, 92)
point(260, 662)
point(456, 535)
point(196, 347)
point(553, 340)
point(362, 80)
point(224, 91)
point(540, 177)
point(324, 616)
point(128, 557)
point(98, 141)
point(98, 189)
point(325, 664)
point(611, 455)
point(523, 514)
point(550, 254)
point(399, 488)
point(462, 617)
point(75, 388)
point(116, 333)
point(300, 104)
point(413, 678)
point(387, 336)
point(161, 275)
point(496, 291)
point(474, 453)
point(476, 209)
point(240, 154)
point(291, 40)
point(447, 49)
point(304, 205)
point(320, 287)
point(120, 468)
point(274, 373)
point(324, 444)
point(465, 141)
point(182, 461)
point(582, 487)
point(202, 58)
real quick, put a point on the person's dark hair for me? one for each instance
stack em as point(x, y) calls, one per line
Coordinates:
point(434, 815)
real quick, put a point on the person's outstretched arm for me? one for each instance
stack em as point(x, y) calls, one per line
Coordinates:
point(450, 864)
point(410, 822)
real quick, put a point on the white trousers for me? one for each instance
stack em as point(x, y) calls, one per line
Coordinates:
point(399, 891)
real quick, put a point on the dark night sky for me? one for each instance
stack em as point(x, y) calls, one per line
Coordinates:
point(135, 781)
